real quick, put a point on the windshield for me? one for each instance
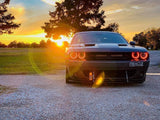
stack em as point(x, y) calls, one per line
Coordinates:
point(103, 37)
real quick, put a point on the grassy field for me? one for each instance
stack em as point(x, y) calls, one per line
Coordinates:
point(31, 61)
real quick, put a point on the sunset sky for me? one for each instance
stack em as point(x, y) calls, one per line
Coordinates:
point(133, 16)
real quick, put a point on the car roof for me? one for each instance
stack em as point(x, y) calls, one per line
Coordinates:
point(94, 32)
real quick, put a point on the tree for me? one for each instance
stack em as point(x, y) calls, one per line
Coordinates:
point(42, 44)
point(158, 39)
point(21, 45)
point(75, 16)
point(114, 27)
point(27, 45)
point(34, 45)
point(154, 37)
point(13, 44)
point(2, 45)
point(140, 39)
point(6, 20)
point(49, 42)
point(149, 39)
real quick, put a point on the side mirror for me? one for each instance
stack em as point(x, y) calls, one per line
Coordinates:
point(132, 43)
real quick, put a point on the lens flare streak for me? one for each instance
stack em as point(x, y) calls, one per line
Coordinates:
point(146, 103)
point(99, 81)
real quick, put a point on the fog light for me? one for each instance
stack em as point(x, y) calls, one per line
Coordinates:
point(90, 76)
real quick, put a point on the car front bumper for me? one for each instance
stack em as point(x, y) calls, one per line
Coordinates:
point(115, 71)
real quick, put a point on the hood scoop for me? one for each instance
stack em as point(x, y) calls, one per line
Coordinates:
point(122, 45)
point(89, 45)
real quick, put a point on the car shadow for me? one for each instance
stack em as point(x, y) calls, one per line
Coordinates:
point(108, 85)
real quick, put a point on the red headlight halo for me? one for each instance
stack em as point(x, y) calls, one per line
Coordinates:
point(144, 55)
point(135, 55)
point(81, 55)
point(73, 55)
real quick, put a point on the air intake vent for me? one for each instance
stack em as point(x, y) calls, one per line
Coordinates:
point(122, 45)
point(87, 45)
point(108, 56)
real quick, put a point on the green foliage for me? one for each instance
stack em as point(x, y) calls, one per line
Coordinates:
point(75, 16)
point(6, 20)
point(149, 39)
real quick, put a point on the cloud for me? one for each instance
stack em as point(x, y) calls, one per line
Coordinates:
point(146, 3)
point(136, 7)
point(115, 11)
point(132, 15)
point(18, 11)
point(51, 2)
point(122, 10)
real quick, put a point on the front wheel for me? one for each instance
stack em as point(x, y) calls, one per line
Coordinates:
point(67, 77)
point(142, 80)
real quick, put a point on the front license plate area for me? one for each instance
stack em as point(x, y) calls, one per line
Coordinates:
point(136, 64)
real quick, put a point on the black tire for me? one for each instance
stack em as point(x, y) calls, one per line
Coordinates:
point(67, 81)
point(142, 80)
point(67, 78)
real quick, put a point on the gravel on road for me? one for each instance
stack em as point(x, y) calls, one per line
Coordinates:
point(49, 98)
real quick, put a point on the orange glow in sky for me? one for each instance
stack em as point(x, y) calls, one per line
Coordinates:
point(132, 17)
point(59, 43)
point(62, 39)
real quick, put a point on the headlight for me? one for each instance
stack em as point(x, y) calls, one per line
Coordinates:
point(135, 55)
point(73, 55)
point(82, 55)
point(77, 55)
point(144, 55)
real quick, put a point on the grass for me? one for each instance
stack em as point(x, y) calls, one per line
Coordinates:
point(31, 61)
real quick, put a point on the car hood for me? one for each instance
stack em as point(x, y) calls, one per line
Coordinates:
point(106, 48)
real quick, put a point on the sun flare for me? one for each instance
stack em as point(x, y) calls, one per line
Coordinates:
point(63, 39)
point(59, 43)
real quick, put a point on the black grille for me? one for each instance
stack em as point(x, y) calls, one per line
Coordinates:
point(108, 56)
point(114, 75)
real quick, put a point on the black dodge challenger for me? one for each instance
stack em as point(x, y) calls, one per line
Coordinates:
point(91, 53)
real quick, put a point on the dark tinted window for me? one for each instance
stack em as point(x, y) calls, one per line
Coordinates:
point(98, 38)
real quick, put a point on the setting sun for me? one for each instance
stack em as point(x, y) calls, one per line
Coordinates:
point(59, 43)
point(62, 39)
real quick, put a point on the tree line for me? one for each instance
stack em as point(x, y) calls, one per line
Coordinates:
point(149, 39)
point(41, 44)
